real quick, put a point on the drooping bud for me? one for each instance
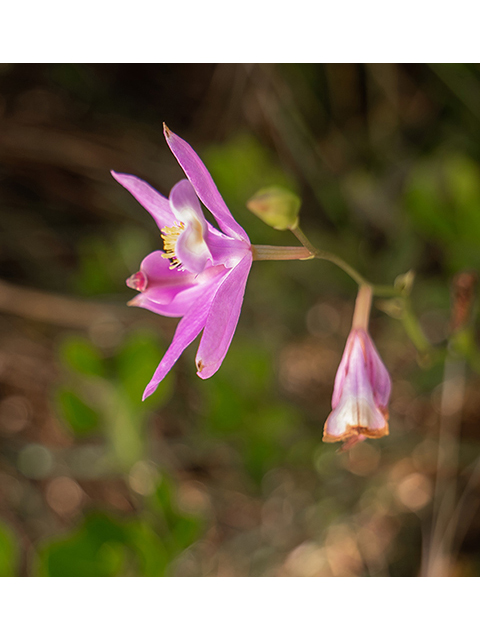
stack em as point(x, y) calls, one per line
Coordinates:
point(276, 206)
point(362, 385)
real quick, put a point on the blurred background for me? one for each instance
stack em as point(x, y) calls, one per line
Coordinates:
point(229, 477)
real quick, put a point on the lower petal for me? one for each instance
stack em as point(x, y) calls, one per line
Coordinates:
point(170, 292)
point(187, 330)
point(222, 319)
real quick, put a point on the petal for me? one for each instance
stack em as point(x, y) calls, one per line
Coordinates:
point(222, 319)
point(379, 376)
point(186, 205)
point(355, 415)
point(203, 184)
point(191, 248)
point(343, 369)
point(178, 291)
point(177, 308)
point(163, 283)
point(225, 250)
point(187, 330)
point(157, 205)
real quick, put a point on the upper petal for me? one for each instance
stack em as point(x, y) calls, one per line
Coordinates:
point(157, 205)
point(203, 184)
point(222, 319)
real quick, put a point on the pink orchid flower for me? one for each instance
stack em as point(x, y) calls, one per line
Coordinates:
point(201, 274)
point(362, 385)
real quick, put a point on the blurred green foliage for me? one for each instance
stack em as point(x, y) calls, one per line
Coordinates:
point(442, 197)
point(9, 552)
point(104, 545)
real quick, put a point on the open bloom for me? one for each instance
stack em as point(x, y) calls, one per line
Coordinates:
point(201, 273)
point(362, 385)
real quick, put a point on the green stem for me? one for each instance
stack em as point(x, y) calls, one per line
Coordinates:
point(330, 257)
point(414, 330)
point(407, 316)
point(384, 291)
point(268, 252)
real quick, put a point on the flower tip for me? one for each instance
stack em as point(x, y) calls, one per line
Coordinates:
point(166, 131)
point(205, 371)
point(148, 392)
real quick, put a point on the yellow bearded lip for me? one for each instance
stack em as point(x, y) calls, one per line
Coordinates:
point(170, 236)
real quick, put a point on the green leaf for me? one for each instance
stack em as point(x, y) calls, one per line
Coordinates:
point(98, 548)
point(81, 356)
point(76, 413)
point(8, 552)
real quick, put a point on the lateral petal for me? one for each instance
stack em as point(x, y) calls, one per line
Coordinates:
point(157, 205)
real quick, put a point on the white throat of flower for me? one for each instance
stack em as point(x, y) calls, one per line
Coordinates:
point(184, 243)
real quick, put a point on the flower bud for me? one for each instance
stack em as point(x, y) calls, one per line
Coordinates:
point(404, 282)
point(362, 385)
point(276, 206)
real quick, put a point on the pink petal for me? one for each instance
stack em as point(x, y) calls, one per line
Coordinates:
point(171, 292)
point(225, 250)
point(157, 205)
point(379, 376)
point(222, 319)
point(187, 330)
point(183, 197)
point(343, 369)
point(203, 184)
point(191, 248)
point(163, 283)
